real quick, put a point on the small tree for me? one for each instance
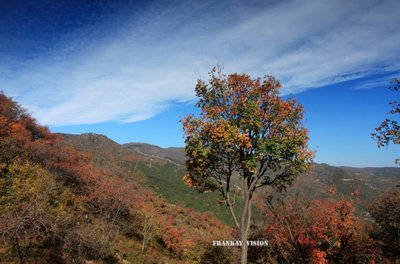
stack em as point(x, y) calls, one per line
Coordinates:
point(389, 130)
point(245, 131)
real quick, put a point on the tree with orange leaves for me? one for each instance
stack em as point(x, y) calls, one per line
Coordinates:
point(248, 132)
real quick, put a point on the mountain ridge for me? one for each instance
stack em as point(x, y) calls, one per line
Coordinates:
point(154, 170)
point(373, 180)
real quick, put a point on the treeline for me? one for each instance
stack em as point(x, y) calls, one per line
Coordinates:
point(56, 207)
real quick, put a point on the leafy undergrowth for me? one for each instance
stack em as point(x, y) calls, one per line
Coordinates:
point(57, 207)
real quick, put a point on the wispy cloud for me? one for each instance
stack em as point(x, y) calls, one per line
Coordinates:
point(138, 68)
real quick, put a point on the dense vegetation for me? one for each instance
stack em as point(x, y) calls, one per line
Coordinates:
point(57, 207)
point(100, 202)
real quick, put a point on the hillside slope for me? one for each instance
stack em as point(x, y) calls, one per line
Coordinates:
point(162, 169)
point(59, 205)
point(369, 181)
point(148, 166)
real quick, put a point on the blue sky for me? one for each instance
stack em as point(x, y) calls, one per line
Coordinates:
point(127, 69)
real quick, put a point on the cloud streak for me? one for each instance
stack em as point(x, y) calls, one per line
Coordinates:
point(155, 57)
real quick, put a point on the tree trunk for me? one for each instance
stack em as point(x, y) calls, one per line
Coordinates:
point(244, 229)
point(243, 256)
point(245, 222)
point(18, 250)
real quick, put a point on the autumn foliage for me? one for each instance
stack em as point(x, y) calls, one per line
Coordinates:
point(40, 211)
point(57, 207)
point(309, 230)
point(245, 133)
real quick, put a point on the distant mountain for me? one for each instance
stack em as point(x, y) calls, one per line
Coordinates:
point(162, 169)
point(371, 181)
point(95, 142)
point(172, 153)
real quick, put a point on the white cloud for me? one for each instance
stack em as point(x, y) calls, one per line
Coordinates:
point(156, 57)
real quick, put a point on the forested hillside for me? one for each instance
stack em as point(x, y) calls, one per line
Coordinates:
point(87, 199)
point(312, 201)
point(152, 170)
point(58, 205)
point(370, 181)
